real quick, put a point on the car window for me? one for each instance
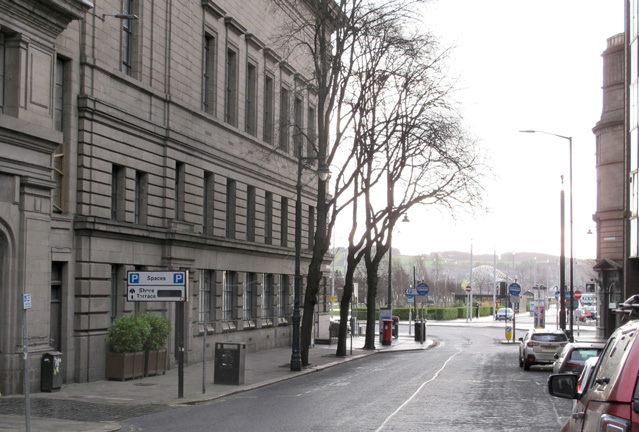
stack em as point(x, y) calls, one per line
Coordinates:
point(612, 356)
point(583, 354)
point(540, 337)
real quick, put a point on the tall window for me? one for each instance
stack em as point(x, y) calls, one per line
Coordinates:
point(127, 37)
point(281, 296)
point(251, 99)
point(228, 293)
point(2, 71)
point(141, 197)
point(268, 109)
point(268, 218)
point(298, 132)
point(117, 193)
point(208, 68)
point(284, 121)
point(114, 312)
point(311, 226)
point(58, 108)
point(58, 155)
point(179, 190)
point(250, 294)
point(208, 203)
point(250, 214)
point(207, 294)
point(311, 132)
point(268, 295)
point(230, 208)
point(230, 104)
point(284, 222)
point(55, 310)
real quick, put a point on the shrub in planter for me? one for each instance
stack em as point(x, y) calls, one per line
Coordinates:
point(126, 339)
point(155, 344)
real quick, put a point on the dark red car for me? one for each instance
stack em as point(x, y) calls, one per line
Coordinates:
point(610, 401)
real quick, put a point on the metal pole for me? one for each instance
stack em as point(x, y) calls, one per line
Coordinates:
point(296, 357)
point(472, 285)
point(494, 284)
point(572, 291)
point(204, 353)
point(390, 269)
point(25, 350)
point(562, 265)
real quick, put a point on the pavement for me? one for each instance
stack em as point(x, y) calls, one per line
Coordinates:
point(99, 406)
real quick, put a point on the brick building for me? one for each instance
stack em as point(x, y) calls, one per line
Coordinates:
point(167, 140)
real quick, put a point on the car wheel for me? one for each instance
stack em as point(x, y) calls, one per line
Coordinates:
point(526, 366)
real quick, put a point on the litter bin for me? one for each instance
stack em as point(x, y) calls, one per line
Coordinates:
point(51, 373)
point(229, 363)
point(395, 326)
point(420, 331)
point(387, 332)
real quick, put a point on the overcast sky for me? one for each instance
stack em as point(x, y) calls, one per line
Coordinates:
point(522, 64)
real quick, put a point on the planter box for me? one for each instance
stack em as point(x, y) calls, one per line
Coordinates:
point(155, 363)
point(123, 366)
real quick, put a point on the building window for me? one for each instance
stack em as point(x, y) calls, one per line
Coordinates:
point(250, 296)
point(128, 37)
point(298, 131)
point(2, 71)
point(141, 197)
point(284, 222)
point(55, 310)
point(250, 214)
point(268, 218)
point(179, 190)
point(268, 109)
point(228, 294)
point(208, 91)
point(208, 203)
point(251, 99)
point(58, 108)
point(311, 133)
point(115, 292)
point(231, 191)
point(207, 295)
point(118, 193)
point(284, 121)
point(268, 295)
point(281, 296)
point(311, 226)
point(230, 104)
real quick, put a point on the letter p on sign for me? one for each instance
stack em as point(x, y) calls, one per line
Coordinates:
point(178, 278)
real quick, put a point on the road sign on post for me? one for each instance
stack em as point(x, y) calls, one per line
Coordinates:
point(514, 289)
point(577, 295)
point(468, 288)
point(422, 288)
point(144, 286)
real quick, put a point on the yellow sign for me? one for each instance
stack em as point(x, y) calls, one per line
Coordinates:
point(509, 332)
point(332, 298)
point(463, 284)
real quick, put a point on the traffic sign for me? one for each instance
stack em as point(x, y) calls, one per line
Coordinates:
point(422, 288)
point(577, 295)
point(509, 332)
point(156, 286)
point(26, 300)
point(468, 288)
point(557, 295)
point(514, 289)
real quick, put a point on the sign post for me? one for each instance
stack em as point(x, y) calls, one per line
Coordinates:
point(171, 286)
point(514, 289)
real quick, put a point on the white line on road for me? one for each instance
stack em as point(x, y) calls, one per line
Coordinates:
point(416, 392)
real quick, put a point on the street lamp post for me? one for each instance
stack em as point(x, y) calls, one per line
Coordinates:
point(563, 308)
point(323, 174)
point(390, 265)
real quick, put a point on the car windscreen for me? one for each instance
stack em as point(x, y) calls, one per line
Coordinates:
point(541, 337)
point(583, 354)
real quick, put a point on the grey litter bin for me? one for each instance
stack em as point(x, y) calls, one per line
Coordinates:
point(229, 363)
point(420, 331)
point(51, 373)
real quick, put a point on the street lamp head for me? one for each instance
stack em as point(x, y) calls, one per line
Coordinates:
point(405, 218)
point(323, 172)
point(528, 131)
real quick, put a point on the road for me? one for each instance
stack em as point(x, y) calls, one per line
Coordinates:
point(469, 381)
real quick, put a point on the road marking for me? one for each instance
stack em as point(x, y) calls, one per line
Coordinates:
point(416, 392)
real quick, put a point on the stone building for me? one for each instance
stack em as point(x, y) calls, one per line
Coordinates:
point(148, 135)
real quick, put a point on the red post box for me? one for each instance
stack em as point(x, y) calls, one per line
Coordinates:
point(387, 333)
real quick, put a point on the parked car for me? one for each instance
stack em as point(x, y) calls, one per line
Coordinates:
point(505, 314)
point(574, 355)
point(607, 402)
point(539, 346)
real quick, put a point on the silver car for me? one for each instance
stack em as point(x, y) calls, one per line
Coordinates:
point(539, 346)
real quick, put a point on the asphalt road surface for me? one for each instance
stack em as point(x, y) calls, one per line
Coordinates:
point(469, 381)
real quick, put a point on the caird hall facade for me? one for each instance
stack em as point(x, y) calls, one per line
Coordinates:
point(162, 142)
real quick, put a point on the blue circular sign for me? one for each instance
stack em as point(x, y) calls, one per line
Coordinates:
point(422, 288)
point(514, 289)
point(557, 295)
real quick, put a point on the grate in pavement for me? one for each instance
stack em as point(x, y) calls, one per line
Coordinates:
point(76, 410)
